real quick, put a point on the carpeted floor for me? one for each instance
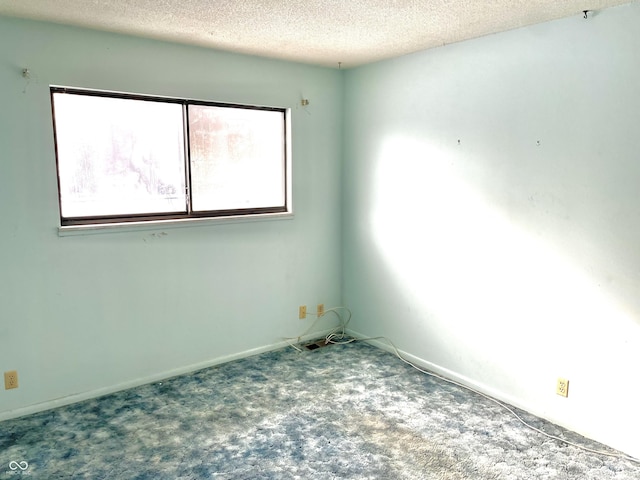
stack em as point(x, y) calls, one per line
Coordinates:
point(343, 411)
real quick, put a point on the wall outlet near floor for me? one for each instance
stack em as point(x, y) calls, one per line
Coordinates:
point(320, 309)
point(562, 387)
point(10, 380)
point(302, 312)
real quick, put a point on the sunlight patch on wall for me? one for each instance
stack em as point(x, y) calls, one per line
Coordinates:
point(463, 262)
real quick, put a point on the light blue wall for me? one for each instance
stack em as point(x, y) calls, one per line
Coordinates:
point(511, 258)
point(500, 261)
point(86, 314)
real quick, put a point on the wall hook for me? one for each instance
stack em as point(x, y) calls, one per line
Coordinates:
point(586, 13)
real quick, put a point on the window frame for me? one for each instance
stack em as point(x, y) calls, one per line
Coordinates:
point(101, 222)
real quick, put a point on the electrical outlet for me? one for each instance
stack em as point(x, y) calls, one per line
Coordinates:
point(320, 309)
point(302, 312)
point(10, 380)
point(562, 387)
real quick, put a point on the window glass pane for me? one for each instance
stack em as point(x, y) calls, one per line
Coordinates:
point(119, 156)
point(237, 158)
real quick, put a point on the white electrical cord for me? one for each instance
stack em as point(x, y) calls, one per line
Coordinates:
point(342, 326)
point(330, 338)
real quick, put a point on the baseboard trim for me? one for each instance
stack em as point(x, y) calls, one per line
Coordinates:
point(491, 392)
point(445, 372)
point(79, 397)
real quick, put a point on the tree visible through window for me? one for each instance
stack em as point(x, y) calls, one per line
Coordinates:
point(236, 157)
point(125, 158)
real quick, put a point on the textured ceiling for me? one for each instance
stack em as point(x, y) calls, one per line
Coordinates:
point(323, 32)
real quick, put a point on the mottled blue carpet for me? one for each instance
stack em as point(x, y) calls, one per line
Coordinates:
point(343, 411)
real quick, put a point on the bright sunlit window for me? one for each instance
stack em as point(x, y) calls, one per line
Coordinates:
point(132, 158)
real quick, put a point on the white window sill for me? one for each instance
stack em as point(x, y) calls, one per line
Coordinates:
point(70, 230)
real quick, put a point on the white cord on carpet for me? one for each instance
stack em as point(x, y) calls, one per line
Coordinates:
point(342, 327)
point(330, 338)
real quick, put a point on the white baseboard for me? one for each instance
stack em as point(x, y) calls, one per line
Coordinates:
point(484, 389)
point(445, 372)
point(79, 397)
